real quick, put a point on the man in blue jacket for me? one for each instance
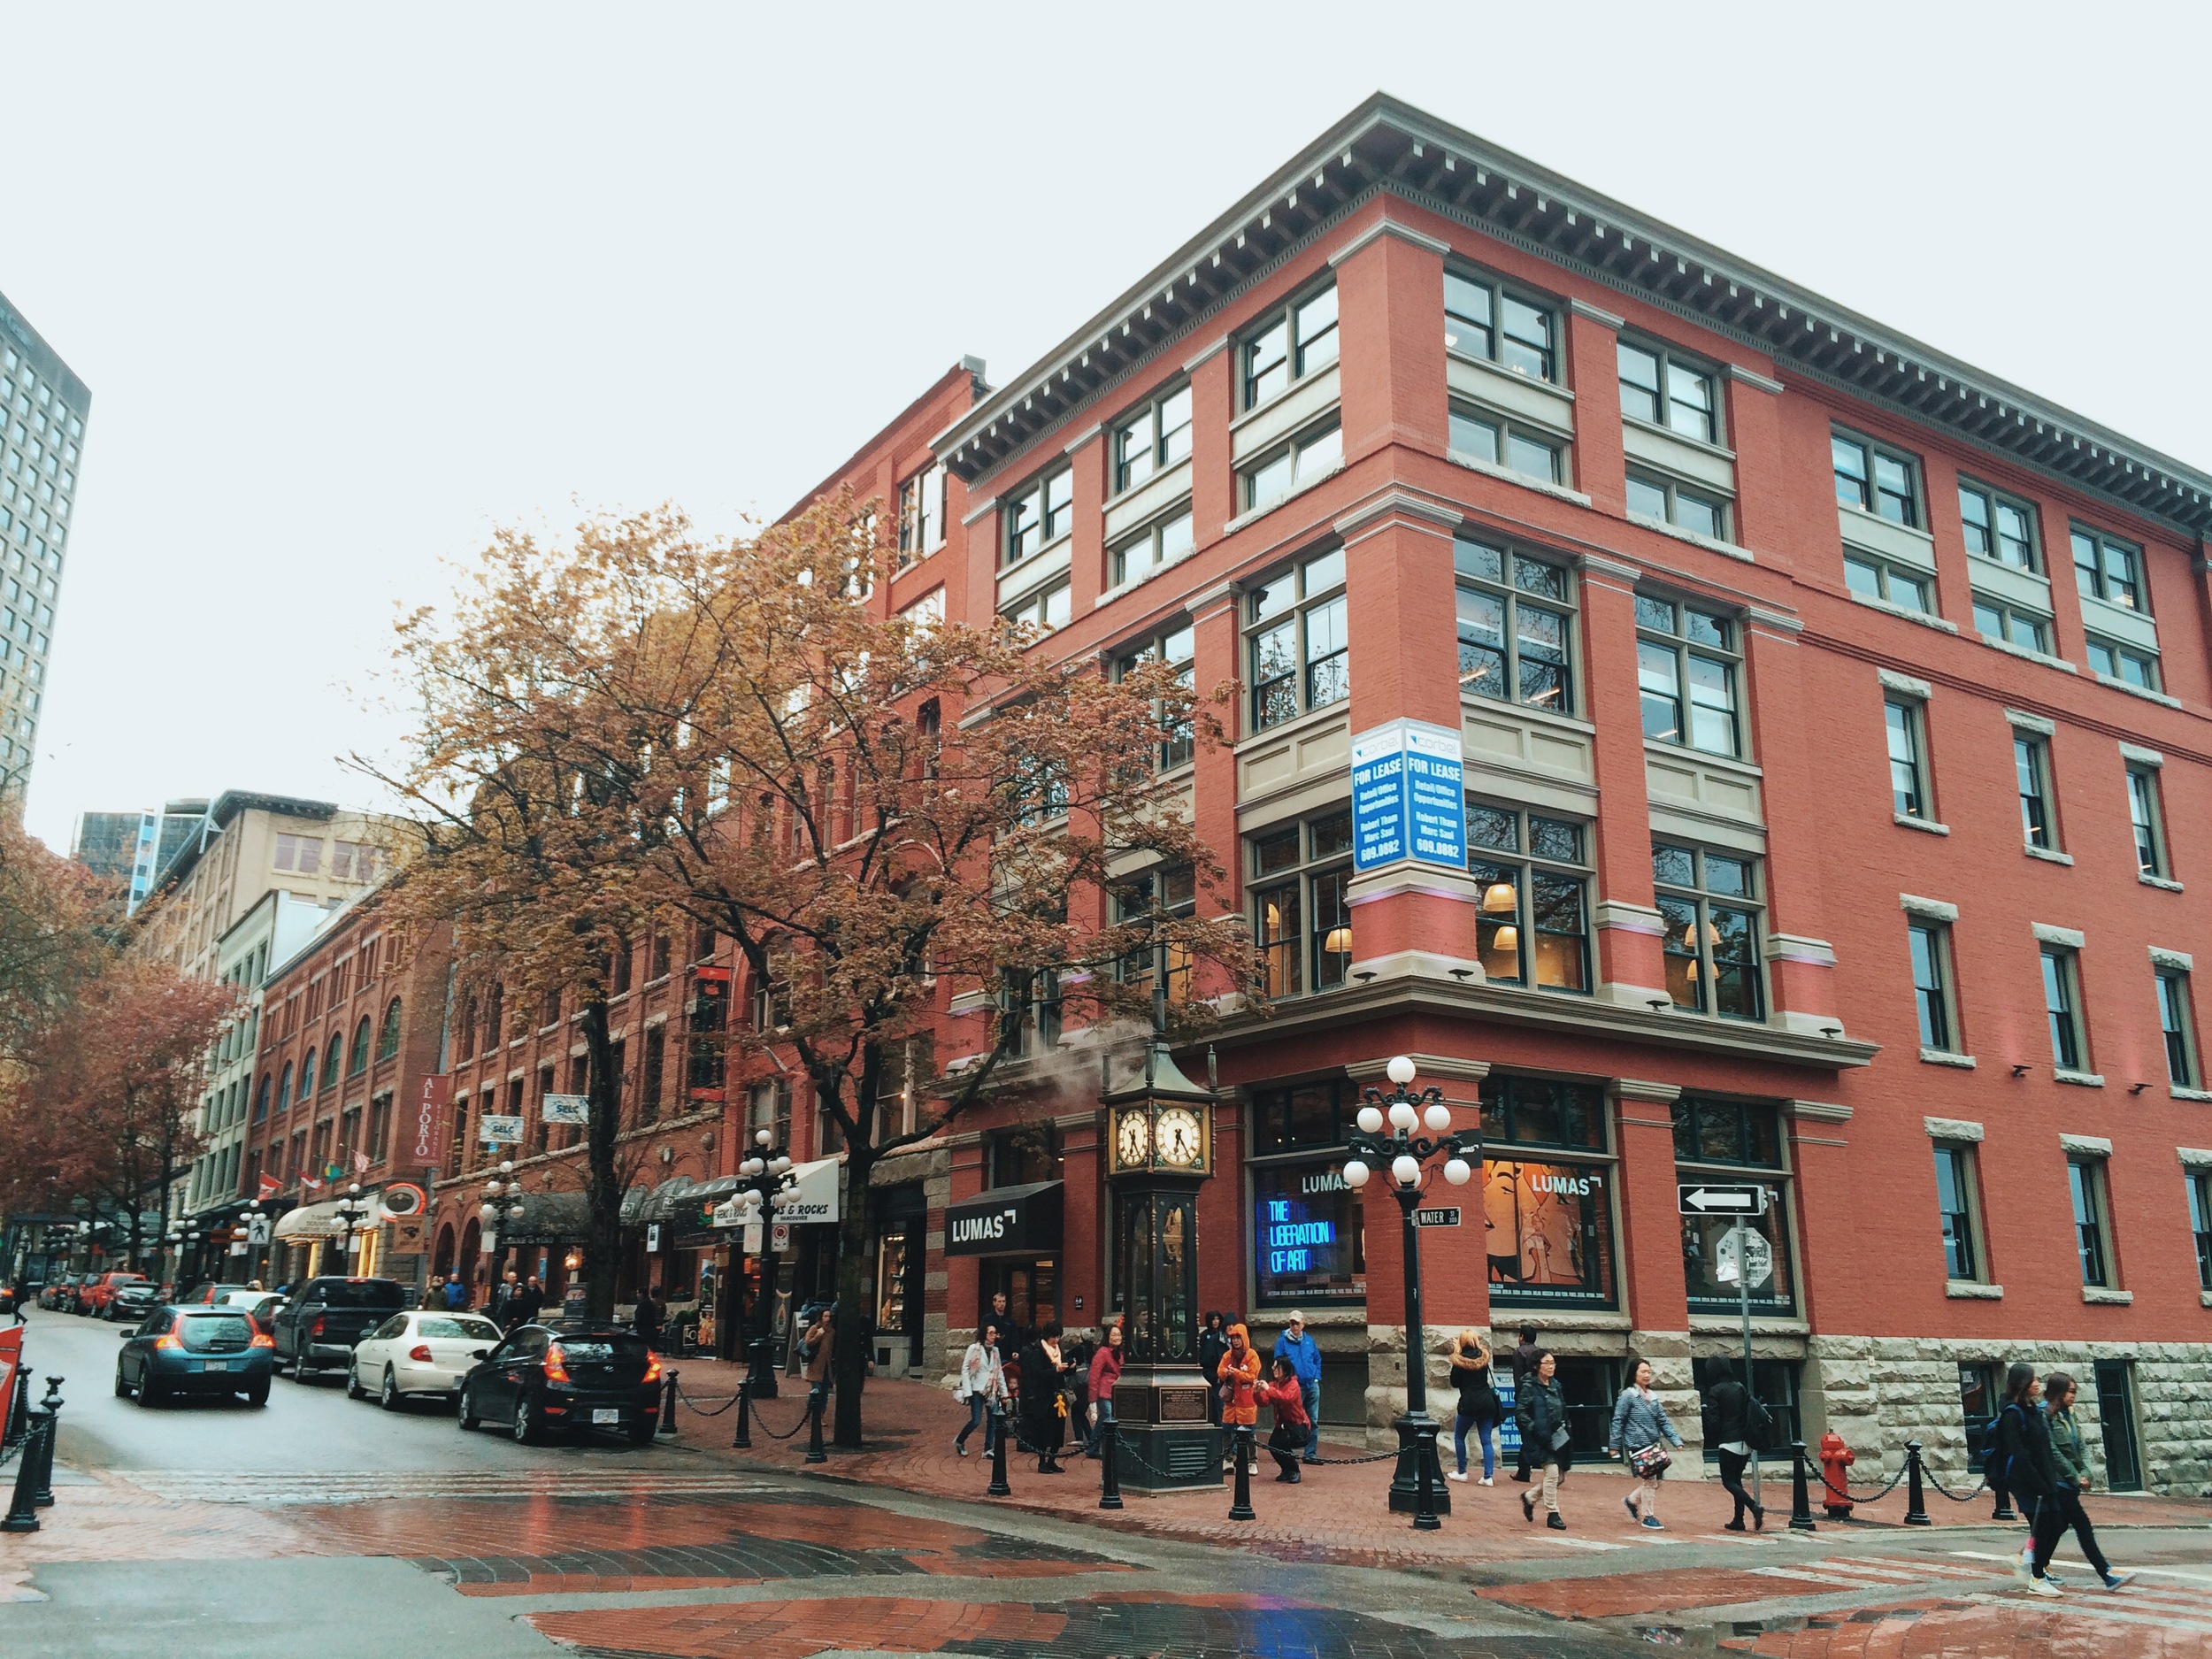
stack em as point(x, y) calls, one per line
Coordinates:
point(1304, 1355)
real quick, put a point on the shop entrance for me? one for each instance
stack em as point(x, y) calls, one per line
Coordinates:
point(2115, 1411)
point(1032, 1288)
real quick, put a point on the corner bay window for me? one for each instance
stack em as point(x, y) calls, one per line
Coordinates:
point(1548, 1223)
point(1301, 926)
point(1686, 672)
point(1296, 640)
point(1706, 904)
point(1486, 321)
point(1532, 922)
point(1299, 341)
point(1514, 615)
point(1719, 1140)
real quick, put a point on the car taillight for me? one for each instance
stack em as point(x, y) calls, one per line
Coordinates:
point(316, 1329)
point(555, 1365)
point(421, 1353)
point(262, 1339)
point(171, 1340)
point(652, 1369)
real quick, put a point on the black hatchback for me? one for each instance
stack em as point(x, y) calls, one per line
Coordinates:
point(194, 1350)
point(580, 1376)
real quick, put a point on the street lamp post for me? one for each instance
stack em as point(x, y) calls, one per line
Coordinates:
point(767, 1175)
point(1418, 1482)
point(350, 1211)
point(503, 1201)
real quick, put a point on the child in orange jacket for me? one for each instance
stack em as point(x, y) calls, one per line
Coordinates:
point(1240, 1380)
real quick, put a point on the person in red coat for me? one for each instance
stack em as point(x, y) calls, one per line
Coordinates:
point(1287, 1440)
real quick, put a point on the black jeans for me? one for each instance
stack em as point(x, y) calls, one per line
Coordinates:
point(1286, 1443)
point(2053, 1516)
point(1731, 1467)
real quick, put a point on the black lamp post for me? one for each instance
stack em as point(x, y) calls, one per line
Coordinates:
point(1418, 1484)
point(502, 1202)
point(767, 1175)
point(351, 1208)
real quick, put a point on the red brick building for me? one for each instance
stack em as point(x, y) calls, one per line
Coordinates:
point(1832, 721)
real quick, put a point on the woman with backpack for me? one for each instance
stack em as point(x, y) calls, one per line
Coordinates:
point(2072, 1458)
point(1641, 1434)
point(1477, 1403)
point(2031, 1471)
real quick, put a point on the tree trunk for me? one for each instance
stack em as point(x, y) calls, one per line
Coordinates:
point(603, 1248)
point(855, 1313)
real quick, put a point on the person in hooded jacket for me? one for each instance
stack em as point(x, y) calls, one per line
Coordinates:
point(1213, 1342)
point(1525, 1354)
point(1735, 1418)
point(1541, 1408)
point(1239, 1373)
point(2031, 1472)
point(1477, 1403)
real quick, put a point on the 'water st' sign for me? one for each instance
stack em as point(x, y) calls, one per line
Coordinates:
point(1409, 796)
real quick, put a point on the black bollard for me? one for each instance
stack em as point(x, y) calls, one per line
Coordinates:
point(1108, 1458)
point(1241, 1440)
point(1425, 1515)
point(44, 1494)
point(815, 1400)
point(1916, 1502)
point(19, 1414)
point(1800, 1504)
point(668, 1404)
point(743, 1440)
point(998, 1488)
point(23, 1509)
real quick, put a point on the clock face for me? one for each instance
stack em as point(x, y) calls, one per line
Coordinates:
point(1182, 1138)
point(1132, 1140)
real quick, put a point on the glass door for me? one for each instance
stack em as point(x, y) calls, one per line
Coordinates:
point(2116, 1407)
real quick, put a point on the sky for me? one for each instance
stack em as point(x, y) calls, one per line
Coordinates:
point(354, 285)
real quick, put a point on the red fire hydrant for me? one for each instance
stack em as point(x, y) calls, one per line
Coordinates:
point(1835, 1463)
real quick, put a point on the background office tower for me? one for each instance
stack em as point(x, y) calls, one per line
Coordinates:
point(136, 846)
point(43, 407)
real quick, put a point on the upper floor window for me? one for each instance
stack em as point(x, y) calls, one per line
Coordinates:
point(2143, 818)
point(2031, 770)
point(388, 1039)
point(1160, 542)
point(1289, 467)
point(1297, 643)
point(2009, 625)
point(1153, 439)
point(1308, 1115)
point(1513, 616)
point(1170, 891)
point(2122, 663)
point(1908, 768)
point(1667, 391)
point(1708, 906)
point(1875, 478)
point(2107, 568)
point(2062, 1005)
point(300, 852)
point(1531, 927)
point(1301, 924)
point(2092, 1225)
point(1040, 515)
point(1176, 647)
point(1652, 495)
point(1931, 946)
point(922, 514)
point(1686, 668)
point(1050, 608)
point(1499, 441)
point(1727, 1132)
point(1483, 320)
point(1998, 527)
point(2175, 1027)
point(2201, 1222)
point(1297, 340)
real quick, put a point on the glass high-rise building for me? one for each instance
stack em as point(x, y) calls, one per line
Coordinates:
point(43, 407)
point(136, 846)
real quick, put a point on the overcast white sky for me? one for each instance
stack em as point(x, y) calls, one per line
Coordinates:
point(351, 285)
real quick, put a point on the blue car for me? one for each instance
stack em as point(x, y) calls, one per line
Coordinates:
point(196, 1350)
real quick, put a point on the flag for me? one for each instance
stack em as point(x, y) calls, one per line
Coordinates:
point(361, 1162)
point(312, 1185)
point(269, 1187)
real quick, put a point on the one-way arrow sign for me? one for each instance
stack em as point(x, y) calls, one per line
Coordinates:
point(1704, 1198)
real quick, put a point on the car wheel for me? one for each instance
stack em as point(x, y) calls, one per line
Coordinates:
point(300, 1373)
point(641, 1434)
point(526, 1425)
point(354, 1390)
point(149, 1395)
point(258, 1393)
point(464, 1411)
point(122, 1388)
point(391, 1399)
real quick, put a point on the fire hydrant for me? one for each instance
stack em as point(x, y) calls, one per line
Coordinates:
point(1836, 1459)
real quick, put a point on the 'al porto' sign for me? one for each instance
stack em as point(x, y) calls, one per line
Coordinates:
point(433, 1122)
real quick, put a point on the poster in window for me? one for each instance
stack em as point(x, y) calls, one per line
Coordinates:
point(1548, 1233)
point(1308, 1238)
point(1708, 1287)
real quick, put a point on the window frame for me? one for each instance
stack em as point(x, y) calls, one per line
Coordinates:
point(1666, 361)
point(1498, 292)
point(917, 521)
point(1526, 867)
point(2059, 966)
point(1122, 567)
point(1159, 439)
point(1180, 747)
point(1036, 498)
point(1507, 588)
point(1696, 1160)
point(2198, 1181)
point(1307, 602)
point(1905, 718)
point(1505, 431)
point(2096, 579)
point(1869, 494)
point(2007, 612)
point(1992, 499)
point(1963, 1260)
point(1703, 900)
point(1928, 942)
point(1038, 600)
point(2146, 821)
point(2177, 1025)
point(1131, 901)
point(1673, 493)
point(2033, 785)
point(1888, 573)
point(1318, 881)
point(1292, 452)
point(2090, 1201)
point(1297, 347)
point(1676, 641)
point(2120, 655)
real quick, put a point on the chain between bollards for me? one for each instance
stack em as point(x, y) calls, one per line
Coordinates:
point(1109, 1457)
point(1916, 1503)
point(668, 1404)
point(743, 1440)
point(1801, 1501)
point(1243, 1444)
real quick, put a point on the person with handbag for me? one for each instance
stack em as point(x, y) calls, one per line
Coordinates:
point(1477, 1403)
point(1641, 1435)
point(1541, 1408)
point(982, 1389)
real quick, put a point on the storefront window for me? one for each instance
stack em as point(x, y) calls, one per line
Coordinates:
point(1774, 1383)
point(1549, 1233)
point(1025, 1153)
point(1720, 1140)
point(1308, 1235)
point(1536, 1111)
point(1310, 1115)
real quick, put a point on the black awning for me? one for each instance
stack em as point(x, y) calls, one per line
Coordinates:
point(1007, 1221)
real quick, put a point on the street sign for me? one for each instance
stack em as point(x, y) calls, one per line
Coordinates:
point(1709, 1198)
point(1436, 1217)
point(257, 1229)
point(566, 1109)
point(1742, 1245)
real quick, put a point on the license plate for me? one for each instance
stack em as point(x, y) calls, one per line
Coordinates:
point(214, 1364)
point(608, 1416)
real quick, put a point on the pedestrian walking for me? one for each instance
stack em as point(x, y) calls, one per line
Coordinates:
point(1075, 1385)
point(457, 1293)
point(1304, 1354)
point(1733, 1418)
point(818, 1342)
point(2072, 1458)
point(1477, 1403)
point(647, 1316)
point(1541, 1409)
point(1286, 1393)
point(1105, 1372)
point(982, 1389)
point(1044, 1419)
point(1525, 1356)
point(1213, 1342)
point(504, 1298)
point(1239, 1373)
point(22, 1293)
point(1642, 1433)
point(2023, 1440)
point(433, 1294)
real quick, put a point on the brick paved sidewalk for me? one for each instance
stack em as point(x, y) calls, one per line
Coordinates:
point(1335, 1513)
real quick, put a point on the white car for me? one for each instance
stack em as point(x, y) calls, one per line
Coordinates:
point(424, 1353)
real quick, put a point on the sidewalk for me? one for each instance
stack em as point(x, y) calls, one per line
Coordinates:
point(1337, 1513)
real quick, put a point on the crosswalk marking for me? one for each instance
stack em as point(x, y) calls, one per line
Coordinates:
point(1806, 1575)
point(2111, 1609)
point(362, 1485)
point(1924, 1569)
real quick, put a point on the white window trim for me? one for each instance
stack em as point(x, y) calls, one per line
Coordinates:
point(2180, 961)
point(2071, 939)
point(1951, 1129)
point(1930, 909)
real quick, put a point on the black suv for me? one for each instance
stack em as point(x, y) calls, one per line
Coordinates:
point(317, 1330)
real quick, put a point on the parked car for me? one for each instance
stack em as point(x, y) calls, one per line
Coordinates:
point(131, 1302)
point(316, 1329)
point(423, 1353)
point(263, 1304)
point(578, 1375)
point(194, 1350)
point(207, 1293)
point(99, 1290)
point(61, 1294)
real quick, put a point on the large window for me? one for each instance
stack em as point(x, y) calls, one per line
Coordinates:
point(1719, 1140)
point(2031, 773)
point(1047, 609)
point(1707, 904)
point(1029, 1012)
point(2011, 625)
point(2107, 568)
point(1168, 892)
point(2061, 1004)
point(2177, 1029)
point(1304, 1116)
point(1998, 527)
point(1296, 640)
point(1875, 478)
point(1542, 1112)
point(1666, 391)
point(1480, 434)
point(1161, 542)
point(2201, 1223)
point(1908, 764)
point(1301, 924)
point(1549, 1225)
point(2092, 1227)
point(1532, 923)
point(1152, 439)
point(1297, 340)
point(1026, 1154)
point(1308, 1235)
point(1174, 647)
point(1651, 495)
point(1955, 1209)
point(1038, 515)
point(1931, 946)
point(1686, 669)
point(1484, 321)
point(1289, 467)
point(922, 514)
point(1515, 616)
point(1891, 583)
point(2144, 820)
point(2122, 662)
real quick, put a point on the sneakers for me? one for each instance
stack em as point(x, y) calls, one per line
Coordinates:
point(2116, 1580)
point(1487, 1482)
point(1629, 1503)
point(2051, 1578)
point(1555, 1522)
point(2043, 1587)
point(1652, 1524)
point(1732, 1526)
point(1528, 1505)
point(961, 1447)
point(1454, 1474)
point(2020, 1569)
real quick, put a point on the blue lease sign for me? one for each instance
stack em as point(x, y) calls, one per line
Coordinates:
point(1409, 796)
